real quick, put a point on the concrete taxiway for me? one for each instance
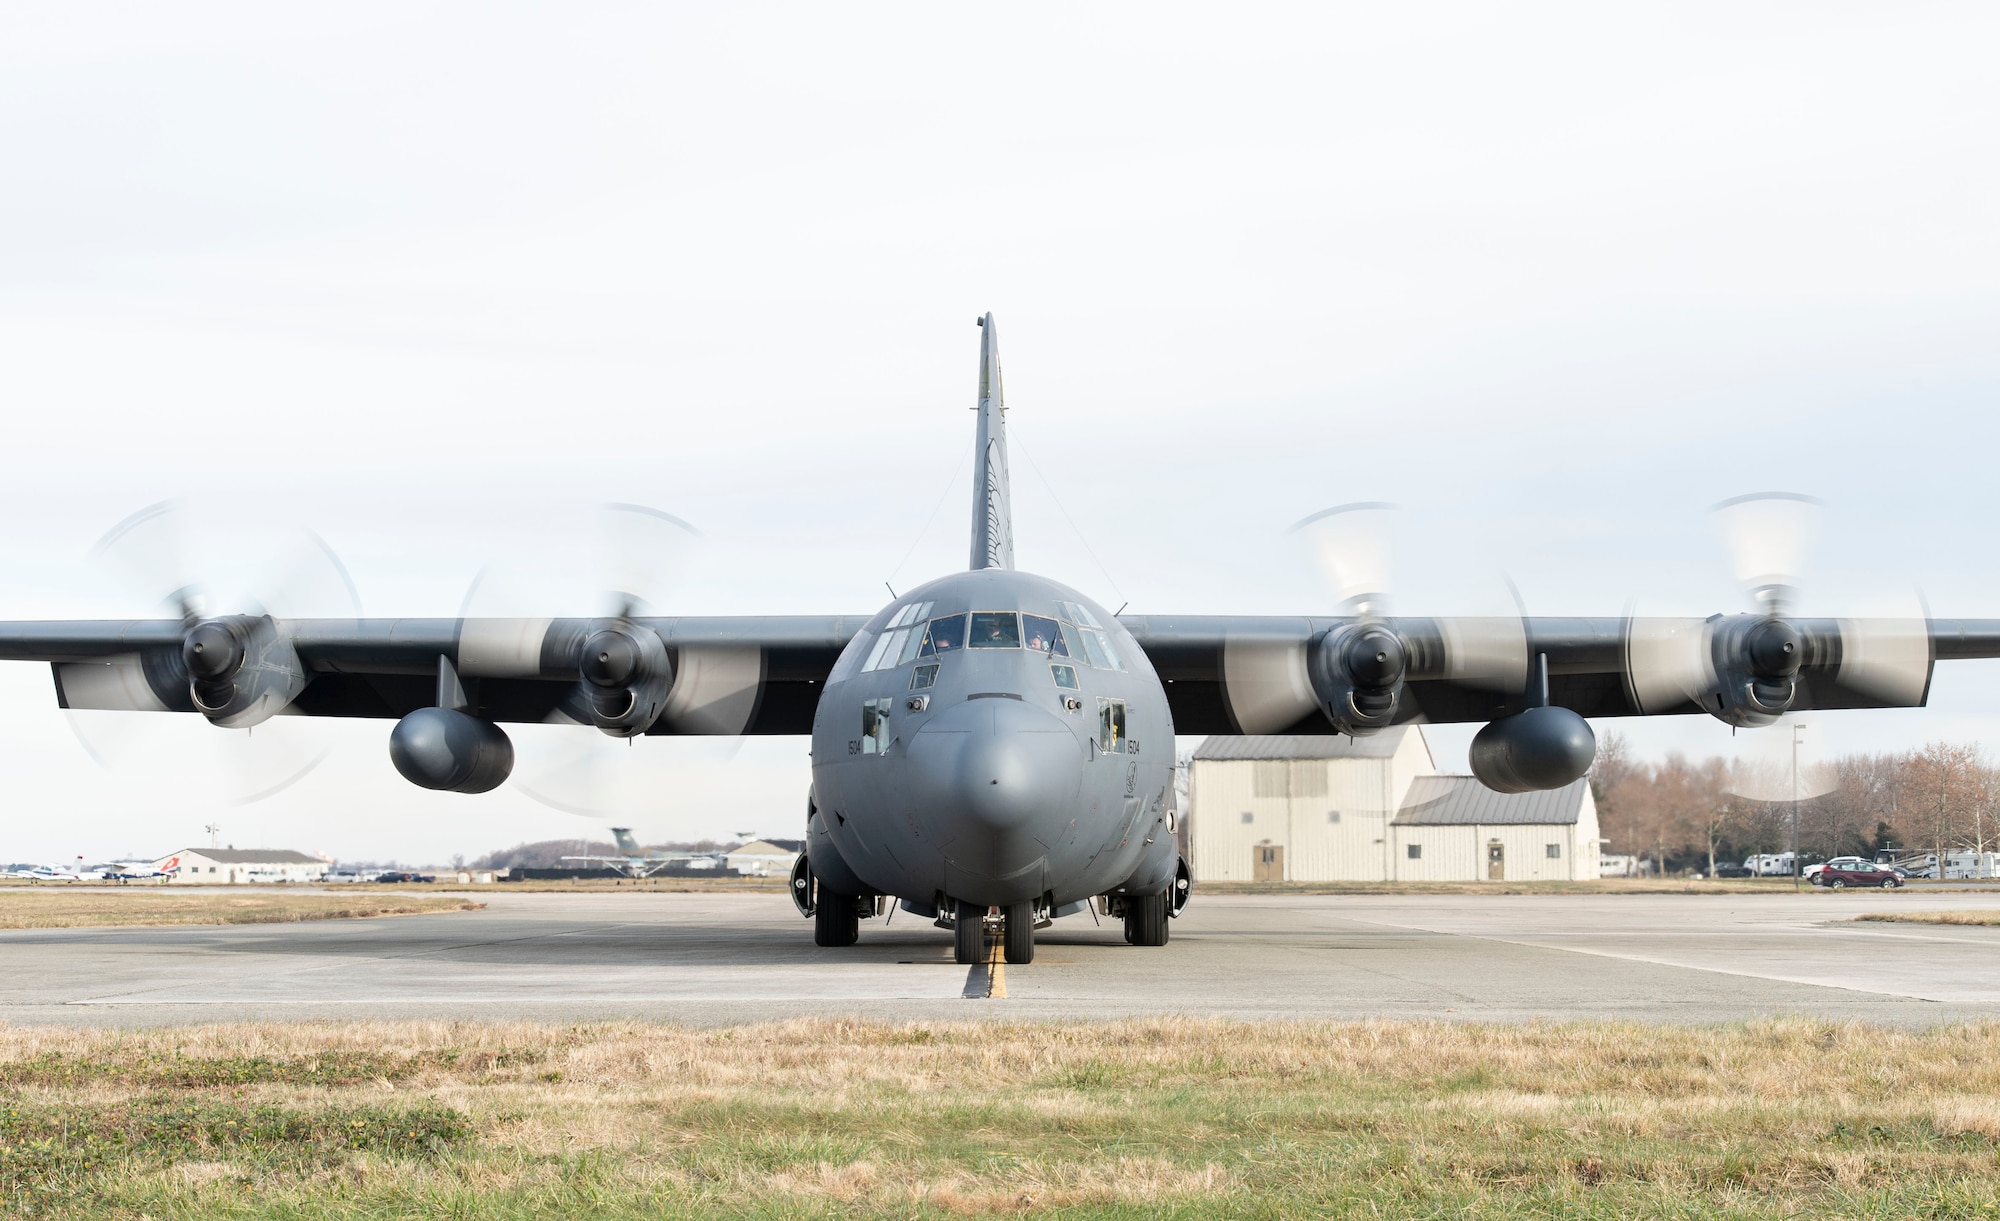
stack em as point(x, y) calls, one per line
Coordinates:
point(714, 958)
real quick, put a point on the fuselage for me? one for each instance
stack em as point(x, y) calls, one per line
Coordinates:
point(993, 737)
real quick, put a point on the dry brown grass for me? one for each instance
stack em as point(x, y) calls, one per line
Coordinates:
point(1177, 1117)
point(1970, 917)
point(110, 906)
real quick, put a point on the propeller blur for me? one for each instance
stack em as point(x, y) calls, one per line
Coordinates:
point(991, 750)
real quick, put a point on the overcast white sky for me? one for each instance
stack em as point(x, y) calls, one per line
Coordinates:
point(431, 277)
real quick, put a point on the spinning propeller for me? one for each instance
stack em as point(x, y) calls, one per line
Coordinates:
point(633, 558)
point(1745, 669)
point(236, 587)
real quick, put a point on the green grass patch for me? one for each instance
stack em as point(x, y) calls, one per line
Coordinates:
point(1157, 1118)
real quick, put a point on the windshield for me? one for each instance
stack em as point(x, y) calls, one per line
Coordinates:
point(995, 630)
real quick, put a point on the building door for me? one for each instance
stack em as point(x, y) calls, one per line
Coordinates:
point(1496, 861)
point(1267, 863)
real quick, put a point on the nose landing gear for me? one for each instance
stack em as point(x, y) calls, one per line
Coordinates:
point(969, 932)
point(1018, 939)
point(975, 922)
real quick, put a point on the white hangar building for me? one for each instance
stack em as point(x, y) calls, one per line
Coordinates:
point(1373, 809)
point(222, 866)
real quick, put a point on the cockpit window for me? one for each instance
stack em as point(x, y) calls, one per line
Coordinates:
point(910, 613)
point(1042, 634)
point(1080, 614)
point(946, 634)
point(995, 630)
point(1065, 676)
point(922, 677)
point(896, 647)
point(1086, 642)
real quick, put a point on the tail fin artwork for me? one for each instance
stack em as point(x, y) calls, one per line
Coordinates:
point(992, 507)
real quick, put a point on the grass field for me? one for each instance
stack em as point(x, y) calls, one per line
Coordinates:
point(1988, 917)
point(110, 906)
point(1178, 1118)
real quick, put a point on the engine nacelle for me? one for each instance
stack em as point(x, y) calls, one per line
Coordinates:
point(448, 750)
point(1357, 675)
point(1756, 662)
point(241, 669)
point(626, 678)
point(1539, 748)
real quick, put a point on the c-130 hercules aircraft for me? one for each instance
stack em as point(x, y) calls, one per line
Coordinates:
point(994, 749)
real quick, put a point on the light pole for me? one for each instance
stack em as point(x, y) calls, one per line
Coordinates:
point(1796, 726)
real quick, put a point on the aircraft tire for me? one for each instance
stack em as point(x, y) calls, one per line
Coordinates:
point(969, 933)
point(836, 922)
point(1019, 940)
point(1146, 919)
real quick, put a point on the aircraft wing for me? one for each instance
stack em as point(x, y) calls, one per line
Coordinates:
point(761, 675)
point(1253, 675)
point(731, 675)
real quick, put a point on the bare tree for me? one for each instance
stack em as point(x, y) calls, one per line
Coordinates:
point(1942, 785)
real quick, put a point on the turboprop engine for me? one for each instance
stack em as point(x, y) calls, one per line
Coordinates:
point(625, 677)
point(1357, 674)
point(241, 669)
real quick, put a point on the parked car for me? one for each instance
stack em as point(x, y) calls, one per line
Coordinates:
point(342, 875)
point(1726, 870)
point(1811, 872)
point(1865, 873)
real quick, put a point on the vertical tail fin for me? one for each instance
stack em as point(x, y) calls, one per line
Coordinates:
point(992, 506)
point(626, 844)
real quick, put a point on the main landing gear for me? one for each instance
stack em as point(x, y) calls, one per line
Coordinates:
point(1146, 918)
point(836, 919)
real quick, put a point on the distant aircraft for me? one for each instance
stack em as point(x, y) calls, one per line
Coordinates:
point(993, 749)
point(639, 863)
point(56, 873)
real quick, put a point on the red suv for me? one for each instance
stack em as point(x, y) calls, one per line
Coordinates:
point(1843, 875)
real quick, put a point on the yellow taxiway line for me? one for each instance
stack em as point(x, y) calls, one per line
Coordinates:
point(996, 973)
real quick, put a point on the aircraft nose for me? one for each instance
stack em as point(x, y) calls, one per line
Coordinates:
point(998, 778)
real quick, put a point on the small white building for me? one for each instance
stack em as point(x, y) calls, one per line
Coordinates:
point(225, 866)
point(1455, 829)
point(1299, 808)
point(762, 858)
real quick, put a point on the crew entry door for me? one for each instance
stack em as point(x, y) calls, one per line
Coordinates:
point(1496, 861)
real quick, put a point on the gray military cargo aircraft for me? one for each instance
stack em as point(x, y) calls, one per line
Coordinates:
point(993, 749)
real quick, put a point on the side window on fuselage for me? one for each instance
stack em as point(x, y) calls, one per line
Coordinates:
point(1111, 726)
point(923, 676)
point(1065, 676)
point(874, 726)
